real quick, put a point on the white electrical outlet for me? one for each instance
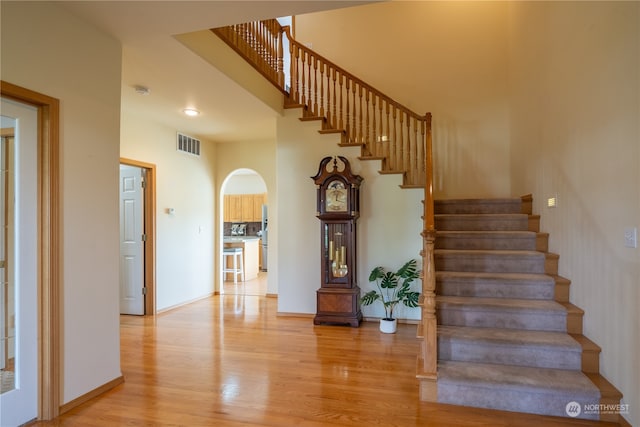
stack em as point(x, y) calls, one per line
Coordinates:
point(631, 237)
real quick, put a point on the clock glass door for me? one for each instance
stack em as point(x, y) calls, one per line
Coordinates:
point(336, 251)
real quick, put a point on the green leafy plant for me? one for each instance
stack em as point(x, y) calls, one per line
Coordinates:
point(393, 288)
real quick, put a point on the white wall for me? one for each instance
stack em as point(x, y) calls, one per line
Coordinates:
point(575, 98)
point(243, 183)
point(389, 227)
point(447, 58)
point(185, 256)
point(47, 50)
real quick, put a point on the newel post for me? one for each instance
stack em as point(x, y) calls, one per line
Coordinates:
point(429, 352)
point(280, 63)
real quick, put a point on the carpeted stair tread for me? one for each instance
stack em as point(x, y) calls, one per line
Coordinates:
point(482, 222)
point(510, 347)
point(517, 377)
point(495, 284)
point(505, 304)
point(506, 261)
point(494, 240)
point(514, 388)
point(524, 314)
point(461, 206)
point(511, 336)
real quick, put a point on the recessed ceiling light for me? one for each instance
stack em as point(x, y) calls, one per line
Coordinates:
point(191, 112)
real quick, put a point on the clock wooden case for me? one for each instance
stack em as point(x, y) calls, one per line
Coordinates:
point(338, 208)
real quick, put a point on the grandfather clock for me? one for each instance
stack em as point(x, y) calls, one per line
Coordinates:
point(338, 193)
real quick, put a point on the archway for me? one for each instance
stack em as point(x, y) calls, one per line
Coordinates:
point(244, 214)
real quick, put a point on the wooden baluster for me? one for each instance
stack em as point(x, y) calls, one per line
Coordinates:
point(280, 60)
point(354, 116)
point(330, 71)
point(335, 102)
point(347, 126)
point(360, 138)
point(293, 73)
point(381, 135)
point(252, 41)
point(303, 57)
point(394, 142)
point(341, 113)
point(387, 153)
point(308, 67)
point(315, 86)
point(374, 138)
point(401, 143)
point(407, 153)
point(367, 141)
point(422, 151)
point(322, 77)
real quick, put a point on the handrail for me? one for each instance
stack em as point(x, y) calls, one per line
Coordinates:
point(365, 117)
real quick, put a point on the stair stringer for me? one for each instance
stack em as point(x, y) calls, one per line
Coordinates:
point(325, 128)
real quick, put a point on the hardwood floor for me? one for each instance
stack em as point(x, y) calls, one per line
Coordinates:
point(229, 360)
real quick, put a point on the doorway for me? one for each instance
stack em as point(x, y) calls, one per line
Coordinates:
point(244, 210)
point(47, 353)
point(137, 237)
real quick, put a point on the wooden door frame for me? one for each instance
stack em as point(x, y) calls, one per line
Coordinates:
point(150, 231)
point(49, 255)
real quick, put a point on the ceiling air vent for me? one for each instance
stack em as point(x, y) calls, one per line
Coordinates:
point(187, 144)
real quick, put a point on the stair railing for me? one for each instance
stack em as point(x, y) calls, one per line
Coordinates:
point(364, 116)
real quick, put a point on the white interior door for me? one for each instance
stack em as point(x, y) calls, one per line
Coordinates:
point(18, 405)
point(131, 240)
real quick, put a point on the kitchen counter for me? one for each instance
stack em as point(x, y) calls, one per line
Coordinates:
point(250, 254)
point(231, 239)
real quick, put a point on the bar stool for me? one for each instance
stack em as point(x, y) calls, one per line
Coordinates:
point(238, 267)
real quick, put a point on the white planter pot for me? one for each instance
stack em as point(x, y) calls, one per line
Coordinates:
point(388, 326)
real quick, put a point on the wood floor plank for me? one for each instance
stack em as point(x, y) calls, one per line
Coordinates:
point(229, 360)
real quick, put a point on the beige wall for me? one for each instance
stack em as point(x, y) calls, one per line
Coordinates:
point(184, 240)
point(449, 58)
point(575, 116)
point(49, 51)
point(389, 227)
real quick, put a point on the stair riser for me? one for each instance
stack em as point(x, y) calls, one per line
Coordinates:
point(521, 355)
point(485, 243)
point(495, 290)
point(491, 263)
point(481, 223)
point(532, 321)
point(507, 206)
point(509, 399)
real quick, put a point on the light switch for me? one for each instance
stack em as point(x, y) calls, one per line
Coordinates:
point(631, 237)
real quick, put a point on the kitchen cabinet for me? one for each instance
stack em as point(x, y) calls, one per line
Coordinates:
point(227, 208)
point(258, 201)
point(243, 207)
point(235, 208)
point(247, 208)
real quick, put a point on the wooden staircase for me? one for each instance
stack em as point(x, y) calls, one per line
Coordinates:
point(508, 337)
point(401, 140)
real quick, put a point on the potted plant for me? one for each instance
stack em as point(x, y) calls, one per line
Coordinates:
point(392, 288)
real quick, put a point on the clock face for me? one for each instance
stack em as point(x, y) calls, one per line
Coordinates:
point(336, 197)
